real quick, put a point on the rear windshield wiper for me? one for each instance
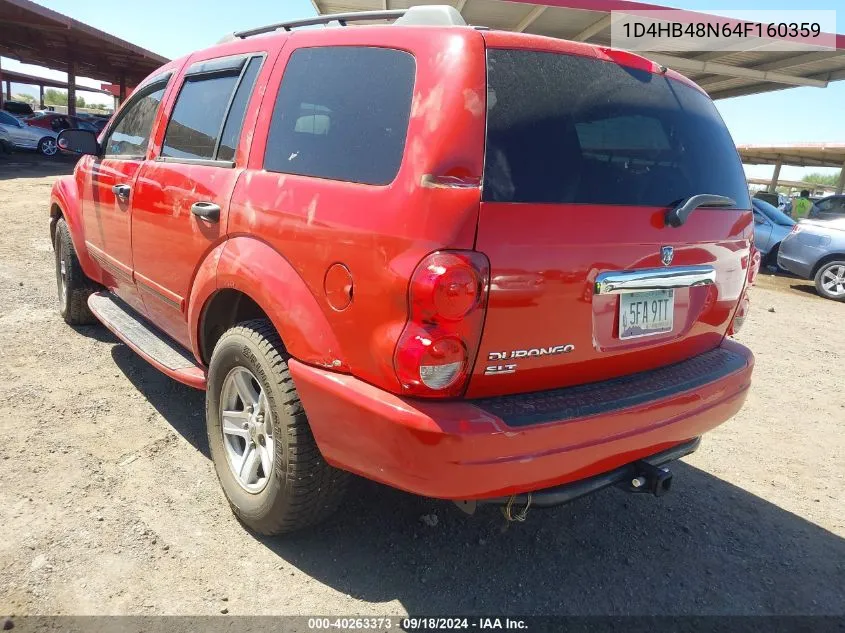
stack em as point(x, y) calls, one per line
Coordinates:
point(679, 214)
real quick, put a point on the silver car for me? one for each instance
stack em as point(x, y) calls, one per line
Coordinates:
point(816, 250)
point(24, 136)
point(770, 227)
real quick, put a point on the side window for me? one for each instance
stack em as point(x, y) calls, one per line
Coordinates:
point(8, 119)
point(235, 119)
point(210, 112)
point(131, 135)
point(337, 117)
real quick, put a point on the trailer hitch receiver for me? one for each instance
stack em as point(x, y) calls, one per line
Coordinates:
point(656, 480)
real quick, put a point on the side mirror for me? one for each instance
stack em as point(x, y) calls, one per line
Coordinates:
point(78, 142)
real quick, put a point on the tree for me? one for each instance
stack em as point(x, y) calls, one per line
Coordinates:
point(25, 98)
point(80, 102)
point(55, 97)
point(819, 178)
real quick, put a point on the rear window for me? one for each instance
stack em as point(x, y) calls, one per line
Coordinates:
point(569, 129)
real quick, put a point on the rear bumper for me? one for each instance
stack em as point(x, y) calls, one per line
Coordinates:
point(504, 446)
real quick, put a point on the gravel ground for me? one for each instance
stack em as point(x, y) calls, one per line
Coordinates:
point(110, 504)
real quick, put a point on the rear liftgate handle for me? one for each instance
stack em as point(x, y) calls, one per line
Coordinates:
point(207, 211)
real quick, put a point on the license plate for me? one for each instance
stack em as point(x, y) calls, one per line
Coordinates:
point(646, 313)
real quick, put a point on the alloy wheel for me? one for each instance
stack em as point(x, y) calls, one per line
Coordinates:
point(833, 280)
point(247, 425)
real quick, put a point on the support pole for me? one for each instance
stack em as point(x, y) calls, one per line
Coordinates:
point(122, 88)
point(71, 88)
point(1, 85)
point(841, 184)
point(41, 96)
point(8, 90)
point(775, 176)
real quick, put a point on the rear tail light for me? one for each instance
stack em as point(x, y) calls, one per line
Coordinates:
point(447, 297)
point(740, 315)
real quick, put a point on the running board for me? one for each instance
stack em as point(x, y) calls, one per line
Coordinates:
point(146, 339)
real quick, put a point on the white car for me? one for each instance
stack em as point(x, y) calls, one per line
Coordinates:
point(24, 136)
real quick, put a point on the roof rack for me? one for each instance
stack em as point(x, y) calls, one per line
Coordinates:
point(441, 15)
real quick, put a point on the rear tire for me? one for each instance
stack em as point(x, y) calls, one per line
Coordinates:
point(826, 280)
point(248, 378)
point(72, 285)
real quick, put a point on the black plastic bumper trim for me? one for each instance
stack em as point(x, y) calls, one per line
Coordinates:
point(569, 403)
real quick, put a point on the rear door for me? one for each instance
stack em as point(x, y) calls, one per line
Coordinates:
point(584, 157)
point(181, 200)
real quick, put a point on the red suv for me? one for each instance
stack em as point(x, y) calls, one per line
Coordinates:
point(474, 265)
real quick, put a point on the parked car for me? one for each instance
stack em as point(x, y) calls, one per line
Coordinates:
point(778, 200)
point(828, 208)
point(311, 244)
point(770, 227)
point(23, 136)
point(815, 249)
point(17, 108)
point(56, 121)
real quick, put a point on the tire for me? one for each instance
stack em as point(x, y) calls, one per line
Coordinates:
point(826, 277)
point(47, 147)
point(301, 489)
point(73, 287)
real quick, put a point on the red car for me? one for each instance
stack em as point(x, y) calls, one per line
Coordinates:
point(57, 122)
point(474, 265)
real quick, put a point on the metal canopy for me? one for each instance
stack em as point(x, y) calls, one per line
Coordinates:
point(35, 35)
point(799, 155)
point(21, 78)
point(722, 74)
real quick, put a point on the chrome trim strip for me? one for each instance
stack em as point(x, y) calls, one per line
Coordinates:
point(612, 283)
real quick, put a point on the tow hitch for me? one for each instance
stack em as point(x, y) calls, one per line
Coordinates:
point(656, 480)
point(644, 475)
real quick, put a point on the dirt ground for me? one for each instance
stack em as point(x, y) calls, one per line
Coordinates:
point(109, 503)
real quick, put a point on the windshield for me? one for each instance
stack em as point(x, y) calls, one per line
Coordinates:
point(773, 213)
point(570, 129)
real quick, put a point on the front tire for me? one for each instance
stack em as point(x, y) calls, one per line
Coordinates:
point(830, 280)
point(72, 286)
point(265, 455)
point(47, 147)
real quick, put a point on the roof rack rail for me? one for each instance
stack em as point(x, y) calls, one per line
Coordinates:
point(341, 18)
point(441, 15)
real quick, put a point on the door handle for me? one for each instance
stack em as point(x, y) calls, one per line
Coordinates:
point(121, 191)
point(207, 211)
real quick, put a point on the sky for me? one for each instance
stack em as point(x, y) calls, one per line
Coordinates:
point(796, 115)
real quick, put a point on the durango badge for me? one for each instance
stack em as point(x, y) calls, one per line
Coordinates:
point(522, 353)
point(667, 254)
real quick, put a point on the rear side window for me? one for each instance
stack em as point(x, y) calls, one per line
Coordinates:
point(569, 129)
point(342, 113)
point(208, 115)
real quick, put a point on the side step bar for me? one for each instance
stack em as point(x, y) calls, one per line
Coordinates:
point(147, 340)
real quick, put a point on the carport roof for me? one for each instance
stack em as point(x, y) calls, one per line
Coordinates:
point(22, 78)
point(801, 154)
point(722, 74)
point(33, 34)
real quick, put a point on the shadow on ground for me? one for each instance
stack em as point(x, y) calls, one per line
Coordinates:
point(23, 164)
point(707, 548)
